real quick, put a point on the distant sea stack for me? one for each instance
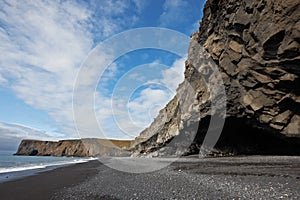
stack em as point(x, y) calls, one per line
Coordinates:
point(256, 46)
point(77, 148)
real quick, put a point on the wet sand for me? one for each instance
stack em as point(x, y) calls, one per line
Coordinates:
point(251, 177)
point(43, 185)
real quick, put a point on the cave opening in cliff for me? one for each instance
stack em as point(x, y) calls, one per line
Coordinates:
point(240, 136)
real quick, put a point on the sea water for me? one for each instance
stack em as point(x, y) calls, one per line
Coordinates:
point(13, 167)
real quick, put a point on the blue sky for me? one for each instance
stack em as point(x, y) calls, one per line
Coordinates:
point(43, 44)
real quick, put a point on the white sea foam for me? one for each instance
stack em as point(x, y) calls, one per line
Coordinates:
point(43, 165)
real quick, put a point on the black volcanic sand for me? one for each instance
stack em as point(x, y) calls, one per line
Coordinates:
point(251, 177)
point(45, 184)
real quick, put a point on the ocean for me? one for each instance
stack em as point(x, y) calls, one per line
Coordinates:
point(14, 167)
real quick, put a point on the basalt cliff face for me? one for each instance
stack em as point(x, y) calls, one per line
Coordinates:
point(76, 148)
point(256, 48)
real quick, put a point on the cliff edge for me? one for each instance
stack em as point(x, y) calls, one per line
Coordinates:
point(78, 148)
point(256, 47)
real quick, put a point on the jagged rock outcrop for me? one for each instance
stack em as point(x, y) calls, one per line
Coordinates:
point(77, 148)
point(256, 47)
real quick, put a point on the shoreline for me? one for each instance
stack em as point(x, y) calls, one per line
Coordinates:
point(271, 177)
point(42, 185)
point(17, 172)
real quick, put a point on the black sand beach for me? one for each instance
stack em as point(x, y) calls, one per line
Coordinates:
point(45, 184)
point(251, 177)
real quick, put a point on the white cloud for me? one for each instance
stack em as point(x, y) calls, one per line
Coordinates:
point(141, 108)
point(195, 26)
point(23, 131)
point(43, 44)
point(137, 76)
point(131, 114)
point(12, 134)
point(174, 13)
point(3, 81)
point(42, 47)
point(110, 7)
point(145, 107)
point(140, 5)
point(108, 16)
point(174, 75)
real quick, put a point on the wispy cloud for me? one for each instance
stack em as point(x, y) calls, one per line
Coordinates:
point(131, 110)
point(175, 12)
point(182, 15)
point(140, 5)
point(175, 74)
point(150, 101)
point(3, 81)
point(43, 44)
point(12, 134)
point(111, 16)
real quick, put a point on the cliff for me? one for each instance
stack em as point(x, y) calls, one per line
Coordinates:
point(256, 48)
point(76, 148)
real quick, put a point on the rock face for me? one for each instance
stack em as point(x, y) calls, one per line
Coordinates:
point(76, 148)
point(256, 47)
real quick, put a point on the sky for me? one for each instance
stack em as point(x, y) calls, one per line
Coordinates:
point(45, 43)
